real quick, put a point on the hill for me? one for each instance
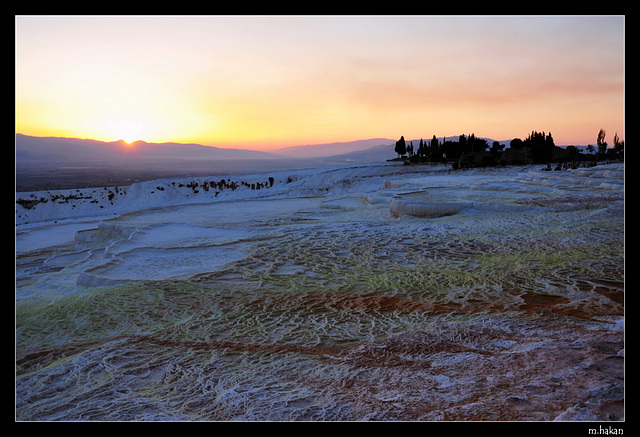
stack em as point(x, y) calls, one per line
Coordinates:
point(55, 151)
point(333, 149)
point(58, 163)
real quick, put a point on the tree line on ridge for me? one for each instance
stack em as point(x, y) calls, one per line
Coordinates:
point(537, 148)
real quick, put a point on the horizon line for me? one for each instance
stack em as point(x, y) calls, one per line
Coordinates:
point(273, 148)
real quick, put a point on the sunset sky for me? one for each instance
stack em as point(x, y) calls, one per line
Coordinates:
point(262, 82)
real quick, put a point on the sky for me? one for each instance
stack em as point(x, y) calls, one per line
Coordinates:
point(264, 82)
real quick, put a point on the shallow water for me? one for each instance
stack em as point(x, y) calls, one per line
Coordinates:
point(335, 307)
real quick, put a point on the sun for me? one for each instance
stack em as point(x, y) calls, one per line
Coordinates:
point(127, 129)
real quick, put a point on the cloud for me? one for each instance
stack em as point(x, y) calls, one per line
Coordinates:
point(288, 76)
point(484, 89)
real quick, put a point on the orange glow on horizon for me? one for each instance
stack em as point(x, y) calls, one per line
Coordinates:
point(263, 83)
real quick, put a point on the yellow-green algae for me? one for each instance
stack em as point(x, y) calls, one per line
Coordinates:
point(309, 325)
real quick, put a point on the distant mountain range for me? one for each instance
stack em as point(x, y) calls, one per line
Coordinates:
point(75, 151)
point(60, 163)
point(53, 152)
point(52, 162)
point(334, 149)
